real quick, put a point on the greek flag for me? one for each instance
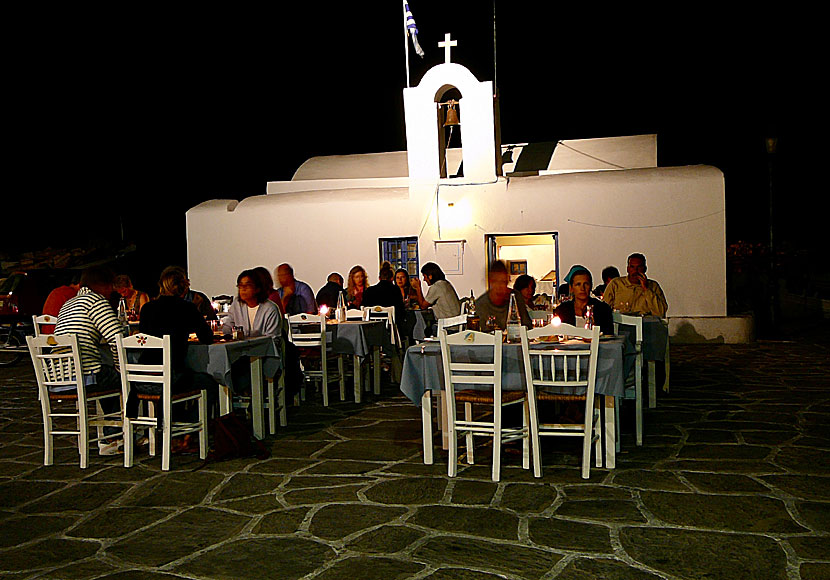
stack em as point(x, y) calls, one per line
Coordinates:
point(412, 29)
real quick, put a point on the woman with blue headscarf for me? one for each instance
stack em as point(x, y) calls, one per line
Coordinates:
point(580, 283)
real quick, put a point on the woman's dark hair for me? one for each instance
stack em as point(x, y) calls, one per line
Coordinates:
point(524, 281)
point(265, 278)
point(609, 273)
point(261, 294)
point(434, 271)
point(405, 273)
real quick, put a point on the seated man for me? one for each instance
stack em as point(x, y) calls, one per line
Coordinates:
point(199, 299)
point(636, 293)
point(328, 294)
point(496, 300)
point(92, 320)
point(56, 299)
point(385, 293)
point(297, 297)
point(441, 296)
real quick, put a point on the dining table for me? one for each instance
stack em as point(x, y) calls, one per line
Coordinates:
point(216, 359)
point(358, 339)
point(655, 347)
point(423, 371)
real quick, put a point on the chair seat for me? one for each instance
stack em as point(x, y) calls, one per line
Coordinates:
point(543, 396)
point(486, 396)
point(73, 395)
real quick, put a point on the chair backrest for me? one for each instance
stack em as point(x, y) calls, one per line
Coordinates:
point(56, 361)
point(313, 327)
point(456, 322)
point(130, 350)
point(356, 314)
point(572, 367)
point(386, 313)
point(463, 372)
point(629, 320)
point(538, 314)
point(43, 320)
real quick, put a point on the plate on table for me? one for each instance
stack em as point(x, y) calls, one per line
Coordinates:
point(431, 339)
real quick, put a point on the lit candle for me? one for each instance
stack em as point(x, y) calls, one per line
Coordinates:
point(324, 310)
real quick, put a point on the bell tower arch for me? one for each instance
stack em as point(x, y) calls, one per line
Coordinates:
point(422, 106)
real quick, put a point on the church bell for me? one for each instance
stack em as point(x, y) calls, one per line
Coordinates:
point(452, 114)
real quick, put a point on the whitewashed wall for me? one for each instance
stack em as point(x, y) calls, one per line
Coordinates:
point(675, 216)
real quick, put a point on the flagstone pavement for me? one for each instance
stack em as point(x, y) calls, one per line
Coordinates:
point(732, 482)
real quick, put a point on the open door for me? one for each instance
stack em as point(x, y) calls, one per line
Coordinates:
point(536, 254)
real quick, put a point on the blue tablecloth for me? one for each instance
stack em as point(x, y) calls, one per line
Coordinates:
point(216, 359)
point(423, 368)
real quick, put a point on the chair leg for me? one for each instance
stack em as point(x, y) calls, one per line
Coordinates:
point(281, 402)
point(151, 431)
point(666, 363)
point(48, 454)
point(203, 432)
point(468, 416)
point(83, 429)
point(166, 441)
point(617, 424)
point(588, 430)
point(652, 385)
point(496, 440)
point(272, 404)
point(426, 426)
point(357, 379)
point(533, 435)
point(376, 375)
point(638, 404)
point(452, 463)
point(342, 372)
point(128, 442)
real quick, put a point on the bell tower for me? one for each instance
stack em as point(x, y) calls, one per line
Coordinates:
point(426, 113)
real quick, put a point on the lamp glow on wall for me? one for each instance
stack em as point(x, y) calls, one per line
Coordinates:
point(456, 214)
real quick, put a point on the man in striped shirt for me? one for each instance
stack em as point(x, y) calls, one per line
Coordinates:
point(92, 320)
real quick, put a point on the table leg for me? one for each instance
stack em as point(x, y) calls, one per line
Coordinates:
point(610, 433)
point(256, 397)
point(652, 385)
point(357, 381)
point(224, 400)
point(376, 364)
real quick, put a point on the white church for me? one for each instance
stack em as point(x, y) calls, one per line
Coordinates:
point(465, 202)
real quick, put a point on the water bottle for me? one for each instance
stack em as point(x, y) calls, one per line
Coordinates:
point(514, 321)
point(472, 317)
point(122, 317)
point(341, 308)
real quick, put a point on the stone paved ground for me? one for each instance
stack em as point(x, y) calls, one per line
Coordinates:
point(733, 481)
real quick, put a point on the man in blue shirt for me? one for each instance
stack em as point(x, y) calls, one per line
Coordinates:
point(297, 297)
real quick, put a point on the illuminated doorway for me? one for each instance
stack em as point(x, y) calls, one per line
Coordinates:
point(535, 254)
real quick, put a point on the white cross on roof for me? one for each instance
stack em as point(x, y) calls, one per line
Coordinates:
point(447, 46)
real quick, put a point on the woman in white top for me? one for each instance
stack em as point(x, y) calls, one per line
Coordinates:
point(252, 310)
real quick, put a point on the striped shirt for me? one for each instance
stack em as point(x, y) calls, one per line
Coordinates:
point(91, 318)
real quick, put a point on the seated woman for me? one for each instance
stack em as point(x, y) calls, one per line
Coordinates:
point(134, 299)
point(358, 281)
point(580, 292)
point(171, 314)
point(252, 310)
point(257, 315)
point(526, 286)
point(410, 297)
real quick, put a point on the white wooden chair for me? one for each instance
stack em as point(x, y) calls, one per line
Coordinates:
point(356, 314)
point(312, 344)
point(460, 373)
point(160, 374)
point(44, 319)
point(57, 364)
point(555, 370)
point(455, 323)
point(386, 313)
point(634, 388)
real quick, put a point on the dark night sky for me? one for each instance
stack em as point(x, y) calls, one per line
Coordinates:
point(154, 112)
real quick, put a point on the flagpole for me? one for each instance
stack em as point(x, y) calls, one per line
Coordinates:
point(405, 41)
